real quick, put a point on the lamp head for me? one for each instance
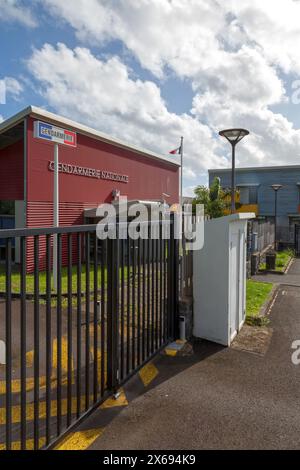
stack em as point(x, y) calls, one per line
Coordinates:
point(234, 135)
point(276, 187)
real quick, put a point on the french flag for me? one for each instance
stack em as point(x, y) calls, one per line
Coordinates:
point(176, 151)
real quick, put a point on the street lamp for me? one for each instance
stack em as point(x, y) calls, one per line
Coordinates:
point(276, 188)
point(233, 136)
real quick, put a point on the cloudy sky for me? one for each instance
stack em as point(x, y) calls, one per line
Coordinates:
point(149, 71)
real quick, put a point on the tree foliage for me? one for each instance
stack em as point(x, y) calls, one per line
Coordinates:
point(214, 198)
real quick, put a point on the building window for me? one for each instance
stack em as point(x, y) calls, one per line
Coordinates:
point(244, 195)
point(248, 195)
point(253, 195)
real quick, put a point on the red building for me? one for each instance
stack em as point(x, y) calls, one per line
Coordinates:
point(90, 173)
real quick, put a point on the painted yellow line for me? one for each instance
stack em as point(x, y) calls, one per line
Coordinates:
point(148, 373)
point(92, 329)
point(170, 352)
point(64, 355)
point(80, 440)
point(16, 384)
point(112, 402)
point(30, 358)
point(29, 444)
point(16, 410)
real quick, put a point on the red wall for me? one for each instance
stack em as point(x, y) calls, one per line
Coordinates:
point(12, 172)
point(148, 179)
point(40, 214)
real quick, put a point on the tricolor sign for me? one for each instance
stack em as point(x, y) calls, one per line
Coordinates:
point(54, 134)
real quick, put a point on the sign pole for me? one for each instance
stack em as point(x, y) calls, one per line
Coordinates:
point(181, 172)
point(55, 214)
point(57, 135)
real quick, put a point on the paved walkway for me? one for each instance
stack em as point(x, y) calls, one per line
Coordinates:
point(291, 278)
point(216, 397)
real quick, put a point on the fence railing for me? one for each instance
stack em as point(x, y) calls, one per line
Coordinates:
point(186, 271)
point(265, 230)
point(68, 350)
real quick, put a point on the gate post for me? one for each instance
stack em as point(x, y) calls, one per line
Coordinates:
point(173, 274)
point(176, 285)
point(112, 313)
point(297, 251)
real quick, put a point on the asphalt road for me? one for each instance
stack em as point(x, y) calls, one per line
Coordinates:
point(220, 398)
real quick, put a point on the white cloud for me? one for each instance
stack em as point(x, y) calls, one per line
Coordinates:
point(274, 26)
point(188, 35)
point(104, 95)
point(195, 38)
point(13, 86)
point(273, 139)
point(180, 34)
point(16, 11)
point(231, 51)
point(10, 86)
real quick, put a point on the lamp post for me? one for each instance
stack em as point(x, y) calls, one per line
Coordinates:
point(234, 136)
point(276, 188)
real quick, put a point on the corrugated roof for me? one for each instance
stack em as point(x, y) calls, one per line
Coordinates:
point(61, 121)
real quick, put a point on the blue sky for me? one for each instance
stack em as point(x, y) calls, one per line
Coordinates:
point(151, 71)
point(21, 40)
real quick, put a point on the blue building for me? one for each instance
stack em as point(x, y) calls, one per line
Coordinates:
point(256, 195)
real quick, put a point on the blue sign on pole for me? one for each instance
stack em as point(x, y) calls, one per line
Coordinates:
point(54, 134)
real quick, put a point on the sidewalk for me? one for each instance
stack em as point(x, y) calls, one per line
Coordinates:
point(291, 278)
point(216, 398)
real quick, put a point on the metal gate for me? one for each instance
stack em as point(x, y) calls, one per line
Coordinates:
point(297, 239)
point(67, 351)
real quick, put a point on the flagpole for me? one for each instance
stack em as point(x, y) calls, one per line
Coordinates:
point(181, 172)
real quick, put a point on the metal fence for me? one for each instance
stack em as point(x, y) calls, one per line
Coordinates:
point(286, 235)
point(67, 351)
point(265, 230)
point(186, 271)
point(297, 240)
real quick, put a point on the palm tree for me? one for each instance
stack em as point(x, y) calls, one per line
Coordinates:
point(214, 199)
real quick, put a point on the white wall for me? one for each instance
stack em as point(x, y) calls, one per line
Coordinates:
point(237, 276)
point(211, 281)
point(211, 295)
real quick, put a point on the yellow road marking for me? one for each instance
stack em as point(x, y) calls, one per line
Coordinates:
point(148, 373)
point(170, 352)
point(80, 440)
point(16, 410)
point(92, 329)
point(29, 444)
point(30, 358)
point(112, 402)
point(16, 384)
point(64, 355)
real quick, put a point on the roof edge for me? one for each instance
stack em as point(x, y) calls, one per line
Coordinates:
point(256, 168)
point(15, 119)
point(34, 111)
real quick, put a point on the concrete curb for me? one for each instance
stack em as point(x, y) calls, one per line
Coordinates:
point(266, 308)
point(289, 265)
